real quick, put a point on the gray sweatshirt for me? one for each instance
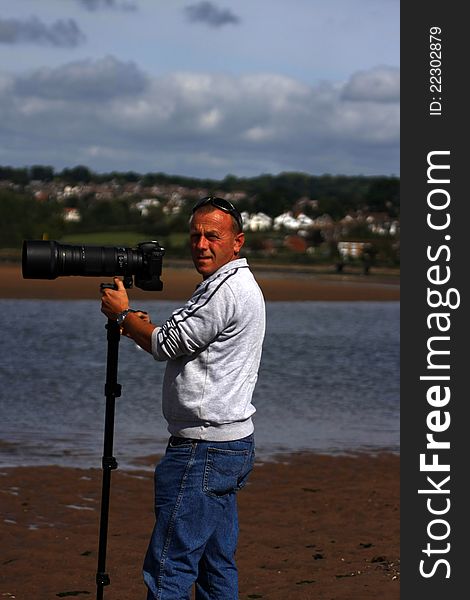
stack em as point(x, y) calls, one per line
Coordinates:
point(213, 347)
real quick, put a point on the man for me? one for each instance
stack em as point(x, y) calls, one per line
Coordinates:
point(212, 346)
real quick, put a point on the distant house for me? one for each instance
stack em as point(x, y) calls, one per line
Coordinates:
point(256, 222)
point(351, 249)
point(41, 196)
point(380, 223)
point(288, 221)
point(295, 243)
point(71, 215)
point(144, 205)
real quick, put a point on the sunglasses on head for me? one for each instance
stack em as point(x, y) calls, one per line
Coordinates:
point(221, 204)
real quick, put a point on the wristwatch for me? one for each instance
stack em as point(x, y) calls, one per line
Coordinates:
point(122, 315)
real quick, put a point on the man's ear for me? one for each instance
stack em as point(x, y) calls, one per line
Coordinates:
point(239, 241)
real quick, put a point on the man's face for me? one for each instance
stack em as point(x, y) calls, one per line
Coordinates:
point(213, 240)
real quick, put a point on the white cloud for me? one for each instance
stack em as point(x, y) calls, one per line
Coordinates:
point(85, 80)
point(378, 85)
point(257, 134)
point(210, 119)
point(198, 124)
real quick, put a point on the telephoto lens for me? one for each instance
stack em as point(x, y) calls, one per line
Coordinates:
point(49, 260)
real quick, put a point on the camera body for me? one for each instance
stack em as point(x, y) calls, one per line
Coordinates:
point(141, 266)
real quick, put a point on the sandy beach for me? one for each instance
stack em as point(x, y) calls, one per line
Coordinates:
point(312, 527)
point(179, 283)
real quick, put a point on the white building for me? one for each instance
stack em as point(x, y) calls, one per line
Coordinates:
point(71, 215)
point(288, 221)
point(256, 221)
point(144, 205)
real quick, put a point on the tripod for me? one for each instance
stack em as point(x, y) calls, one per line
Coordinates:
point(112, 391)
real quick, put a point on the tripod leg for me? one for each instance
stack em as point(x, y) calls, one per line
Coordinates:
point(112, 391)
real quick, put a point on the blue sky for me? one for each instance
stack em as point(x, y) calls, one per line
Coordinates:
point(201, 88)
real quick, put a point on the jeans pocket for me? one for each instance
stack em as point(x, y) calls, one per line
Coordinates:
point(225, 470)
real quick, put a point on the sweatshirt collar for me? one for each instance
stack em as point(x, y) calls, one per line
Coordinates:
point(232, 264)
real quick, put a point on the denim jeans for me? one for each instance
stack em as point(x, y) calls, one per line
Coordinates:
point(196, 528)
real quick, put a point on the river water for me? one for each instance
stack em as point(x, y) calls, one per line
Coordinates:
point(328, 382)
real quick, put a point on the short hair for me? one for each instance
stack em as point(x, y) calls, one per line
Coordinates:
point(210, 203)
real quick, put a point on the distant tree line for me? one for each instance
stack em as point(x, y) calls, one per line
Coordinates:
point(267, 193)
point(23, 217)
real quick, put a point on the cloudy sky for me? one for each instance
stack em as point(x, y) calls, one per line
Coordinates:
point(201, 88)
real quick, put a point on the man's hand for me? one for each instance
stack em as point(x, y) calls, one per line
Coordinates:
point(114, 301)
point(137, 325)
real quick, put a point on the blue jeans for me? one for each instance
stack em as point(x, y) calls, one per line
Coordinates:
point(196, 528)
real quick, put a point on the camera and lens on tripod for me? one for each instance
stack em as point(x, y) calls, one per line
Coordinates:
point(140, 266)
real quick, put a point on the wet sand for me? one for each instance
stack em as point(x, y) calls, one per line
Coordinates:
point(179, 283)
point(312, 527)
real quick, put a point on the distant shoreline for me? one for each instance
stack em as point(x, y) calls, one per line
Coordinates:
point(278, 282)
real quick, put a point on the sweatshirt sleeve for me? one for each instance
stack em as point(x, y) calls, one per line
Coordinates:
point(197, 324)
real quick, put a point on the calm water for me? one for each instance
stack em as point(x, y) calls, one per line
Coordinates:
point(329, 382)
